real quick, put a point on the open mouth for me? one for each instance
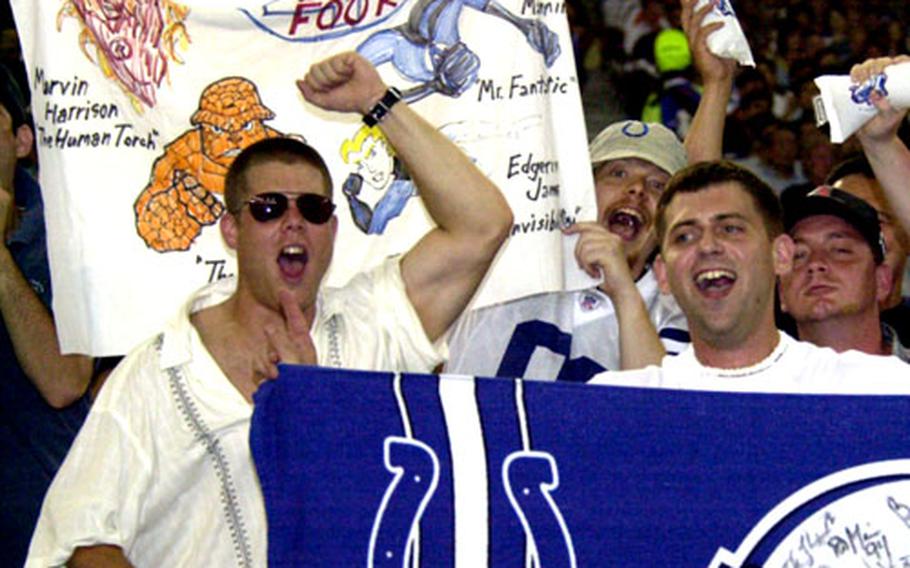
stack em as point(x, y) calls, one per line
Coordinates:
point(715, 282)
point(626, 223)
point(292, 261)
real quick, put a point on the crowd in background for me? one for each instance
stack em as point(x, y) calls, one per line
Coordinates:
point(771, 111)
point(627, 60)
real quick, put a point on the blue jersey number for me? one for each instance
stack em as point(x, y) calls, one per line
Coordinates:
point(530, 335)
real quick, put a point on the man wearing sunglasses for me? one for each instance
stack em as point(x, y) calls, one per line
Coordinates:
point(162, 474)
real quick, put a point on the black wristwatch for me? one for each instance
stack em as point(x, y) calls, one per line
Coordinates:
point(382, 108)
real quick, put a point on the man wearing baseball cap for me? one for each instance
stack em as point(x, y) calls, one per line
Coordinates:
point(838, 278)
point(623, 323)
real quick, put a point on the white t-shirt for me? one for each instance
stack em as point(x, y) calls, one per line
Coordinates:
point(556, 336)
point(793, 367)
point(162, 466)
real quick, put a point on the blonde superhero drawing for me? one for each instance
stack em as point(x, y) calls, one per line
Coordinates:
point(180, 198)
point(132, 41)
point(388, 188)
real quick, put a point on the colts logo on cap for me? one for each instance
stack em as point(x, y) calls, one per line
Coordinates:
point(631, 129)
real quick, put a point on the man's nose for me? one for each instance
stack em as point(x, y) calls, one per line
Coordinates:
point(636, 187)
point(817, 261)
point(709, 243)
point(292, 219)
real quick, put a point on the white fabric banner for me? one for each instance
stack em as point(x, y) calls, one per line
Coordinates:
point(141, 105)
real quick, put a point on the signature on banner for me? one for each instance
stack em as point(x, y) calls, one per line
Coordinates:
point(864, 521)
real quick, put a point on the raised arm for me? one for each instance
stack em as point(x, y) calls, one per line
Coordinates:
point(600, 254)
point(445, 267)
point(61, 379)
point(887, 154)
point(705, 138)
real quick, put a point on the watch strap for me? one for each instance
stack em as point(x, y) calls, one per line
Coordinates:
point(382, 108)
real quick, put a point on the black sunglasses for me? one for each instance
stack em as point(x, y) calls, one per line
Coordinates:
point(315, 208)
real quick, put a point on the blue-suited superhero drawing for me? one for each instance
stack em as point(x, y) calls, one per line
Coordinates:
point(388, 186)
point(428, 48)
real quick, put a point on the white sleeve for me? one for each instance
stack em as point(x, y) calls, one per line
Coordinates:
point(98, 493)
point(382, 328)
point(400, 320)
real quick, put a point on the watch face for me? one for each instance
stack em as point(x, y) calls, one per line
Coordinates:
point(378, 112)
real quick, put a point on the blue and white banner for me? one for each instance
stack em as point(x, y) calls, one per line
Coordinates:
point(141, 105)
point(377, 469)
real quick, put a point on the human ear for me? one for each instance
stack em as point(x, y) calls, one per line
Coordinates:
point(660, 271)
point(783, 247)
point(24, 140)
point(229, 229)
point(883, 282)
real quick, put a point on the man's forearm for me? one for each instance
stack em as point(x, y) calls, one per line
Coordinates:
point(473, 218)
point(457, 195)
point(442, 271)
point(61, 379)
point(639, 343)
point(890, 160)
point(705, 138)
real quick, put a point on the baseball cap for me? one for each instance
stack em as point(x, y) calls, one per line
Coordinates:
point(826, 200)
point(649, 141)
point(671, 51)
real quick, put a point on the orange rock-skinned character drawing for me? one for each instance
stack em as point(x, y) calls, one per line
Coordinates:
point(180, 197)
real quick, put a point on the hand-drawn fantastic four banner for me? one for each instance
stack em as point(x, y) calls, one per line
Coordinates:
point(375, 469)
point(141, 105)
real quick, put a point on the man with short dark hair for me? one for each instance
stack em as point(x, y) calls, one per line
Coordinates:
point(839, 277)
point(161, 474)
point(43, 397)
point(721, 245)
point(721, 249)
